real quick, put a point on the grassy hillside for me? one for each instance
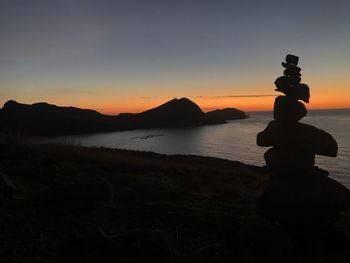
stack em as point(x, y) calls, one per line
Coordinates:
point(62, 203)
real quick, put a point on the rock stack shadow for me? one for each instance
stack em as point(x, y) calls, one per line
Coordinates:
point(298, 192)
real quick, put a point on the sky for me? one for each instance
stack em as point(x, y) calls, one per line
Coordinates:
point(128, 56)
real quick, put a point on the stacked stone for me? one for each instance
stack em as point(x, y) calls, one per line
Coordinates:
point(294, 144)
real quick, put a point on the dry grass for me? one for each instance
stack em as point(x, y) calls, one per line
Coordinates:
point(63, 190)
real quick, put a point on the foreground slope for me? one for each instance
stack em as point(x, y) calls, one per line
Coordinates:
point(62, 203)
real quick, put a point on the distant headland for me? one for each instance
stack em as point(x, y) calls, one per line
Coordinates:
point(46, 119)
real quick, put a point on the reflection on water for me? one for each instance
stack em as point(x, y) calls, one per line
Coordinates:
point(235, 140)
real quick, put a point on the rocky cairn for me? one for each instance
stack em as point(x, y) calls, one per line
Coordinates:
point(294, 144)
point(298, 192)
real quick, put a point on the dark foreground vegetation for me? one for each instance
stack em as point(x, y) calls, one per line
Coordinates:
point(62, 203)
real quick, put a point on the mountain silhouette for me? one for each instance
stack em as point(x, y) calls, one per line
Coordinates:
point(174, 113)
point(47, 119)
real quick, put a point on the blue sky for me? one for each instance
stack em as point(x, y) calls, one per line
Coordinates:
point(100, 53)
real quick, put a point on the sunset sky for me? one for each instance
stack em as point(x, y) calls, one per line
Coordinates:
point(128, 56)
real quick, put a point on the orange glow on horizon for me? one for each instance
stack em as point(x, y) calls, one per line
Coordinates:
point(326, 96)
point(244, 104)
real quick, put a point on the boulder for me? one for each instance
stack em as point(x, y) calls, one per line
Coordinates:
point(303, 92)
point(292, 71)
point(292, 59)
point(298, 136)
point(288, 109)
point(289, 159)
point(303, 198)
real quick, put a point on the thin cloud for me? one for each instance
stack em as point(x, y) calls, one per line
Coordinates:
point(214, 97)
point(149, 97)
point(236, 96)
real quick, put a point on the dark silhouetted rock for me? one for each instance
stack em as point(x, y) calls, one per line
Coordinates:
point(292, 59)
point(303, 92)
point(305, 198)
point(299, 195)
point(283, 159)
point(225, 115)
point(283, 84)
point(292, 71)
point(287, 85)
point(298, 136)
point(288, 110)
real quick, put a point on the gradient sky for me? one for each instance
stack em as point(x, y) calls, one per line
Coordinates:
point(127, 56)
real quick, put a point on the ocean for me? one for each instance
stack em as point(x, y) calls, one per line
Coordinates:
point(235, 140)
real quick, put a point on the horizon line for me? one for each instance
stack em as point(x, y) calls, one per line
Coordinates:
point(97, 109)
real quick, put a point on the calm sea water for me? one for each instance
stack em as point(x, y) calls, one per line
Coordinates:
point(235, 140)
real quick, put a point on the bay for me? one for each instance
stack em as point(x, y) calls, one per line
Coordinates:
point(235, 140)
